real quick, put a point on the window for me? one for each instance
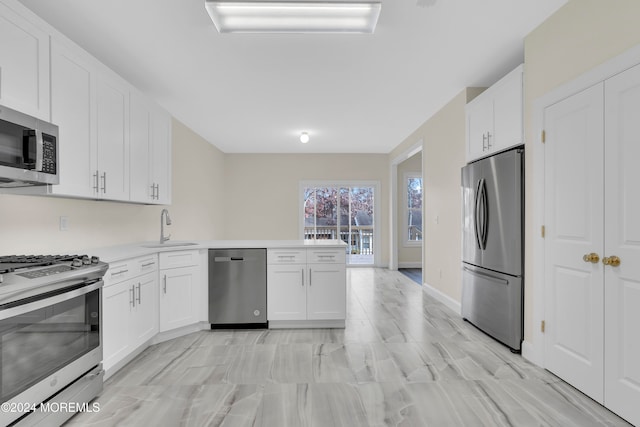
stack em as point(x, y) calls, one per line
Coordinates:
point(413, 205)
point(345, 211)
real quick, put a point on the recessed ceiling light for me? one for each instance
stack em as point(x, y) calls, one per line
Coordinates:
point(304, 137)
point(314, 16)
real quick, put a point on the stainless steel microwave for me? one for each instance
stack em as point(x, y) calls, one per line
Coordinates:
point(28, 150)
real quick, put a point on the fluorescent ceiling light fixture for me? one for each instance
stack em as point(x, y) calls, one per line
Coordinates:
point(283, 16)
point(304, 137)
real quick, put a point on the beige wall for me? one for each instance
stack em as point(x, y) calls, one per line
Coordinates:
point(31, 224)
point(443, 154)
point(581, 35)
point(262, 191)
point(406, 254)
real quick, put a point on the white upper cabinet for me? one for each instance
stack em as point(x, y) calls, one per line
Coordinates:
point(495, 117)
point(90, 105)
point(112, 119)
point(150, 141)
point(73, 98)
point(114, 143)
point(24, 65)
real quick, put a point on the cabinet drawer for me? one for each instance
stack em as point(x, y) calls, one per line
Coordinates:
point(286, 256)
point(319, 256)
point(179, 259)
point(147, 264)
point(120, 271)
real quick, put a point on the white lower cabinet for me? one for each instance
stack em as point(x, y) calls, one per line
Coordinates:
point(130, 308)
point(306, 287)
point(180, 283)
point(326, 293)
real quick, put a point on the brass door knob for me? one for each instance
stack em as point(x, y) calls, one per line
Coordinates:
point(592, 258)
point(613, 261)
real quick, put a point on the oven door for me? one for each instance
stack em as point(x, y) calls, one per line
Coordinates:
point(46, 343)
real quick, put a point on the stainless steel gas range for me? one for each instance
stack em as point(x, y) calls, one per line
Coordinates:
point(50, 337)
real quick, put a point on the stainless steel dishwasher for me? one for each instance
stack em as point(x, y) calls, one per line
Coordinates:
point(237, 288)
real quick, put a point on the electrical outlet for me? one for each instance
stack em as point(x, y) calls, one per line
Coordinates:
point(64, 223)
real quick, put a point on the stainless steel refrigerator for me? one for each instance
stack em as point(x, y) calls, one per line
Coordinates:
point(493, 245)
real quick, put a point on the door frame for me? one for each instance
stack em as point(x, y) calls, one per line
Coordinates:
point(393, 206)
point(534, 350)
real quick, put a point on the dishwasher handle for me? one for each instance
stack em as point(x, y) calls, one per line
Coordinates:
point(228, 258)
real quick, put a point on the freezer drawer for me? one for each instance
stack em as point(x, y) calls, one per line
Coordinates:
point(237, 287)
point(493, 302)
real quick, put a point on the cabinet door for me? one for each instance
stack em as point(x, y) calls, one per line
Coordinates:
point(622, 239)
point(161, 156)
point(507, 113)
point(24, 65)
point(113, 138)
point(177, 291)
point(326, 292)
point(72, 109)
point(140, 144)
point(146, 310)
point(286, 292)
point(117, 307)
point(479, 125)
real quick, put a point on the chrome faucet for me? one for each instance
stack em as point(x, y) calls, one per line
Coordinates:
point(162, 221)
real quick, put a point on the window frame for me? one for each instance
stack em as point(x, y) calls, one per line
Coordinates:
point(377, 220)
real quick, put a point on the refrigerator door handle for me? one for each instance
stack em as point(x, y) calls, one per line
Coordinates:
point(476, 210)
point(485, 215)
point(488, 276)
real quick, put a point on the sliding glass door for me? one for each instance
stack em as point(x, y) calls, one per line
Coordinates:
point(345, 212)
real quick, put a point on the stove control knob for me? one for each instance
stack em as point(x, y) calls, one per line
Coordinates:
point(86, 260)
point(95, 260)
point(77, 262)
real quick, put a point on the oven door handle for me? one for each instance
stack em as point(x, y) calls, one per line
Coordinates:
point(48, 301)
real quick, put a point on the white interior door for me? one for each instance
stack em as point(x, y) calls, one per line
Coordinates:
point(574, 228)
point(622, 239)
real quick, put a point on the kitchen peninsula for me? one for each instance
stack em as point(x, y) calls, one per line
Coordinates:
point(156, 292)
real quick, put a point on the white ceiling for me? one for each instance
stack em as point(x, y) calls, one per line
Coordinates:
point(248, 93)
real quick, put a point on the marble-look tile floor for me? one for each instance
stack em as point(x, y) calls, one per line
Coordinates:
point(403, 359)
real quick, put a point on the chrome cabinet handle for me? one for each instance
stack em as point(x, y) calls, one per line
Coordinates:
point(95, 187)
point(488, 140)
point(157, 191)
point(302, 271)
point(132, 300)
point(484, 139)
point(148, 264)
point(164, 288)
point(115, 273)
point(310, 277)
point(104, 182)
point(139, 296)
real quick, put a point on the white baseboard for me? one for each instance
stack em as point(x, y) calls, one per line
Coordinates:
point(410, 264)
point(442, 297)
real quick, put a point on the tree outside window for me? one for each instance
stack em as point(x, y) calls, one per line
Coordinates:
point(414, 208)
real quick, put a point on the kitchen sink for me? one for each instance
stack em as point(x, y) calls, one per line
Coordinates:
point(168, 244)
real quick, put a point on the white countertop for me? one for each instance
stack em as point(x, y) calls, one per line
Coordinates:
point(120, 252)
